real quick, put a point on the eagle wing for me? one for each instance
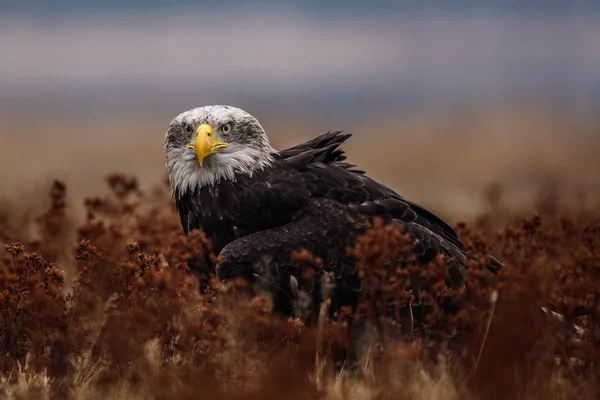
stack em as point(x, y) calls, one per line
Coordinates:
point(326, 229)
point(339, 204)
point(325, 150)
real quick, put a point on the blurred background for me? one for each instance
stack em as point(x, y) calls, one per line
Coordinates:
point(444, 97)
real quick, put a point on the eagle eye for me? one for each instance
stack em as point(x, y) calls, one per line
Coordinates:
point(226, 129)
point(188, 129)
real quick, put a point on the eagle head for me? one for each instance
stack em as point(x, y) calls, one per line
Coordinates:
point(212, 143)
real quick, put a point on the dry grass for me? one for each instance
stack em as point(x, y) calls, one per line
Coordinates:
point(140, 322)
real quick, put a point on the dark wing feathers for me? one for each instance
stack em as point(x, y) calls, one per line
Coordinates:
point(323, 228)
point(314, 228)
point(328, 143)
point(325, 149)
point(327, 177)
point(326, 154)
point(424, 217)
point(332, 138)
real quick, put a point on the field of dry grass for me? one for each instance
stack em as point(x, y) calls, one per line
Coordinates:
point(97, 299)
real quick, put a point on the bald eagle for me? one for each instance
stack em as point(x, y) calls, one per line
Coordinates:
point(258, 205)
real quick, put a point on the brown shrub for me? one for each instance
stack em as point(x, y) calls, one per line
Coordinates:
point(146, 319)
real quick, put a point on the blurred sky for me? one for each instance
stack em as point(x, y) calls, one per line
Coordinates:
point(346, 57)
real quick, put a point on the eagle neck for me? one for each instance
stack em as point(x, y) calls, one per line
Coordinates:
point(217, 170)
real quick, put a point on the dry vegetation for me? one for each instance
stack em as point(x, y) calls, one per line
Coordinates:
point(111, 308)
point(97, 299)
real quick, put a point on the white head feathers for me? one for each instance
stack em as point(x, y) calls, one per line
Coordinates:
point(248, 150)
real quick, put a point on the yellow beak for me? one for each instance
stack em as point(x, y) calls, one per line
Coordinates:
point(204, 144)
